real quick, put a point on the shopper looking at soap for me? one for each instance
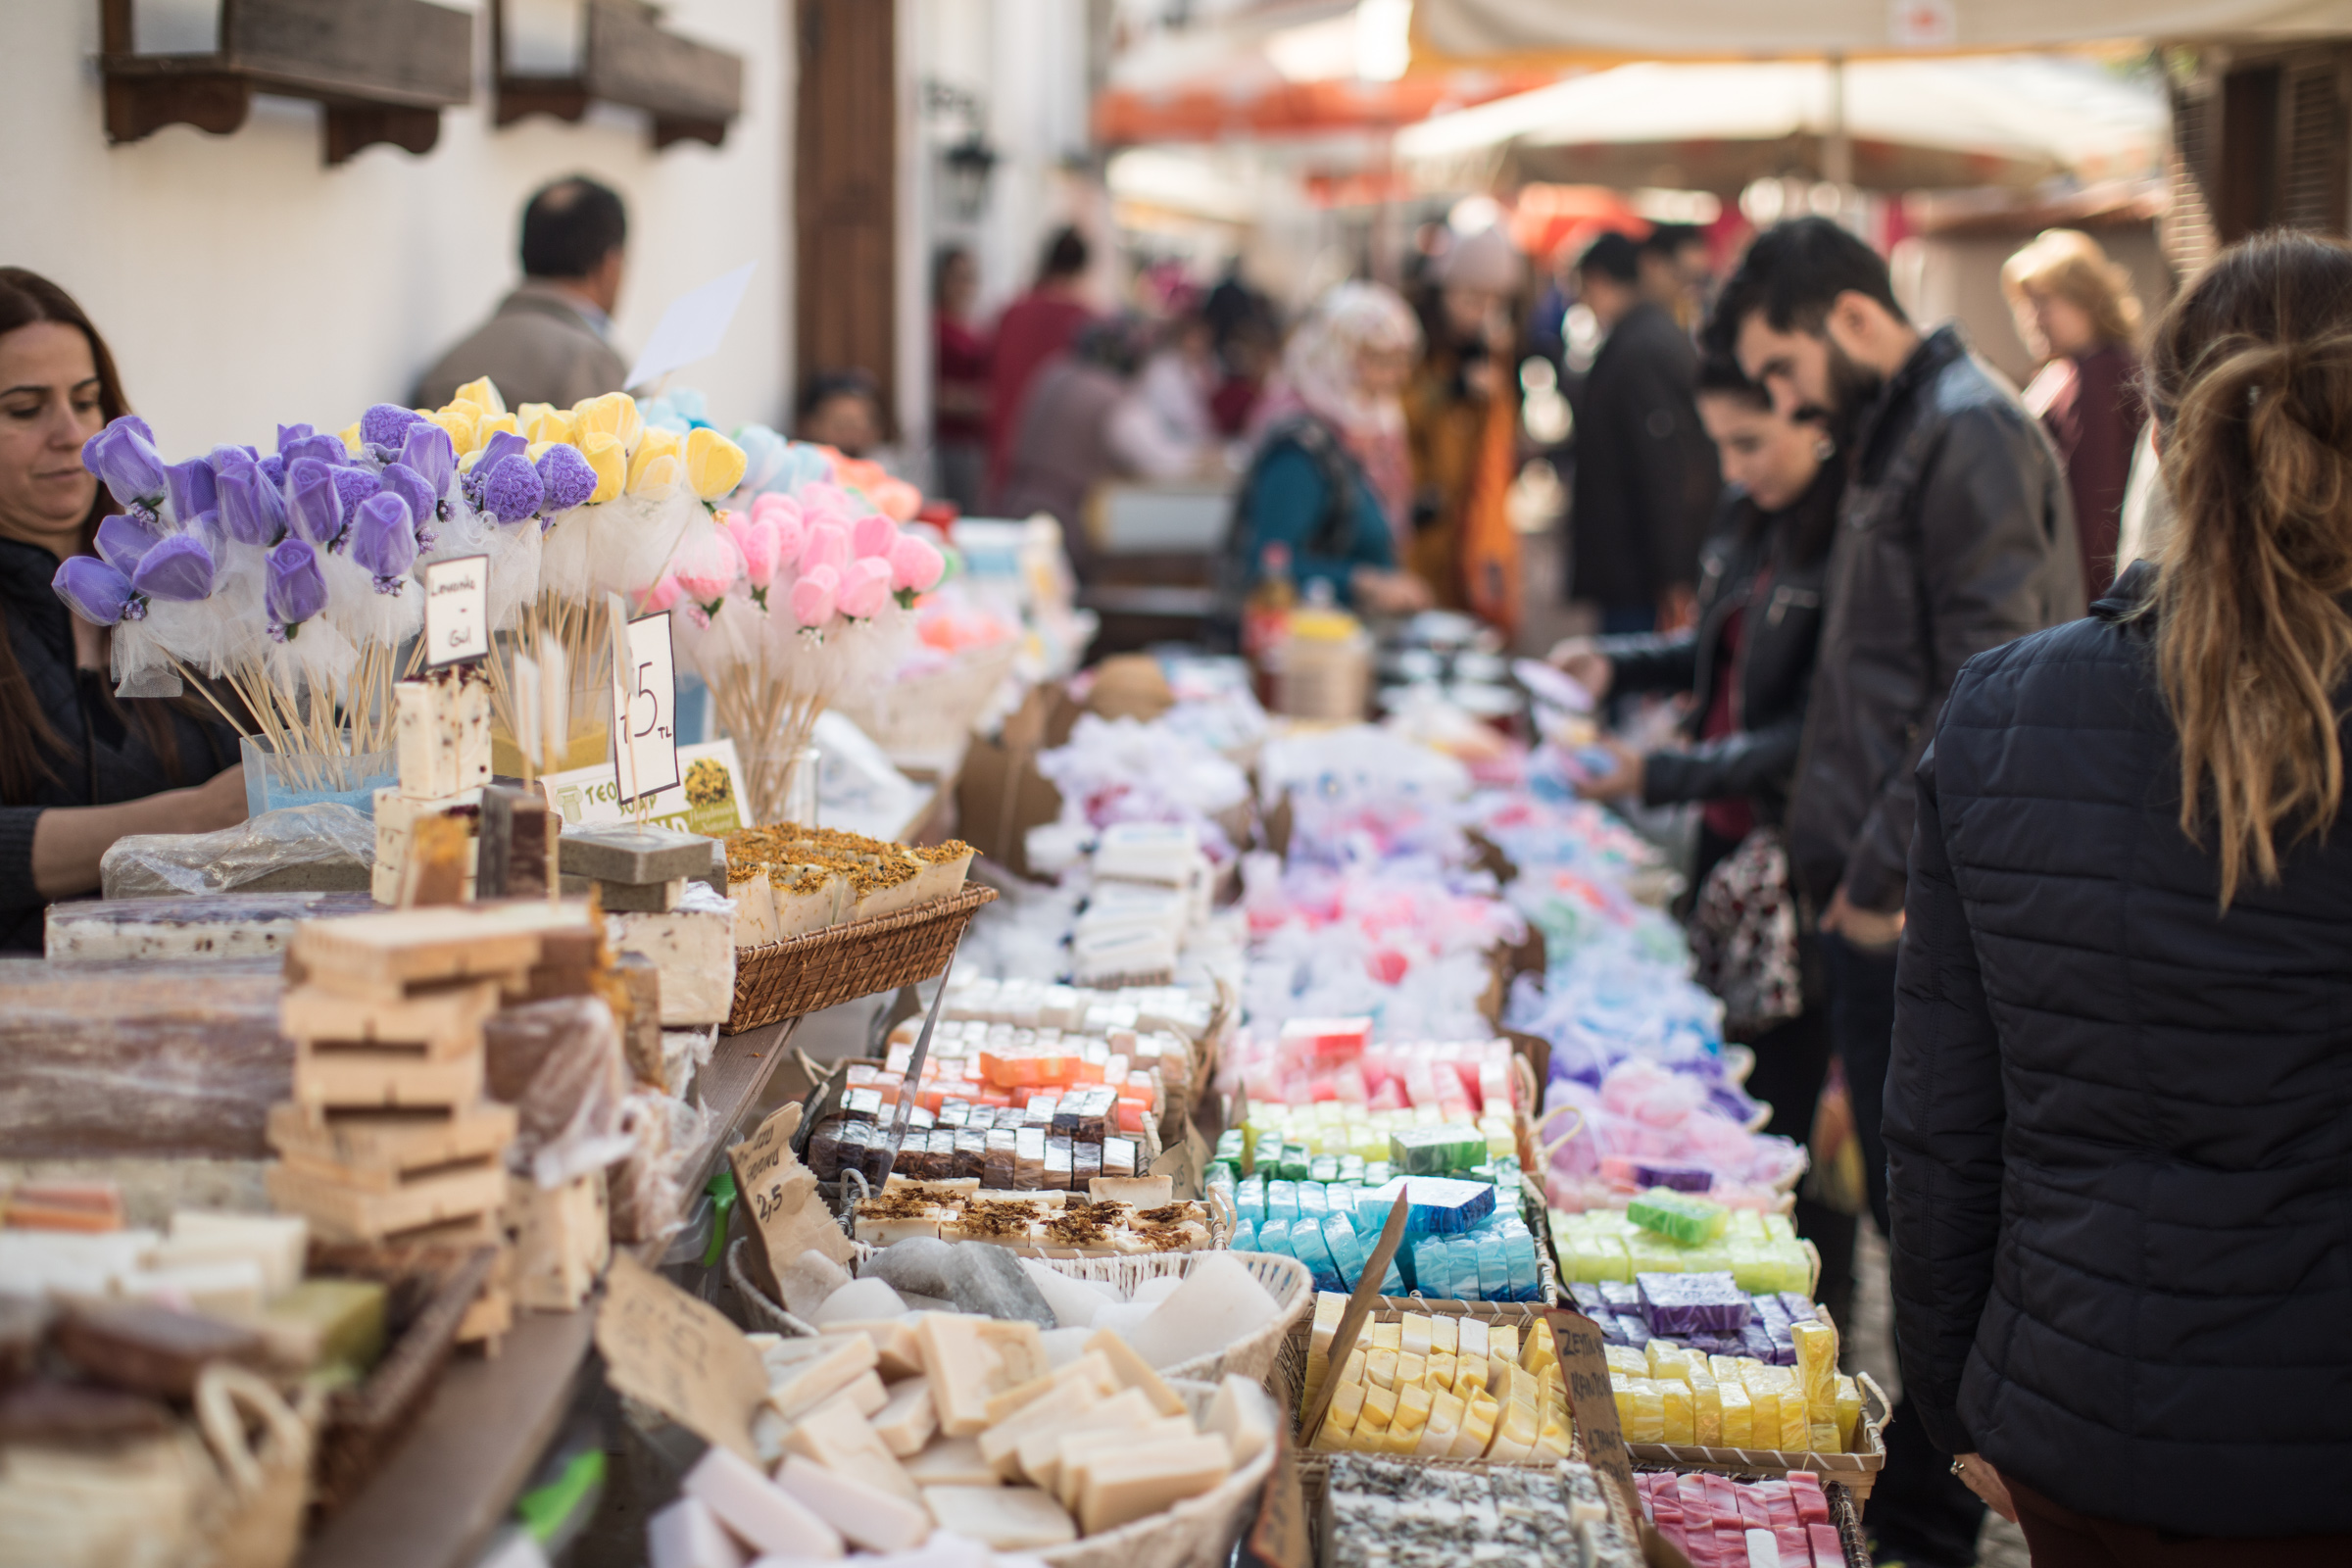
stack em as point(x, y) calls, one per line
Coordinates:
point(1329, 430)
point(1747, 663)
point(1955, 535)
point(79, 767)
point(2117, 1110)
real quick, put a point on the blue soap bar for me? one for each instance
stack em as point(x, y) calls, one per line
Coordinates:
point(1250, 1198)
point(1494, 1269)
point(1274, 1236)
point(1347, 1252)
point(1245, 1236)
point(1312, 1205)
point(1463, 1251)
point(1433, 1271)
point(1393, 1282)
point(1439, 1204)
point(1342, 1200)
point(1282, 1197)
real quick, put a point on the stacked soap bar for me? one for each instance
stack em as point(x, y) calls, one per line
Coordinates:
point(1678, 1216)
point(998, 1066)
point(425, 824)
point(1448, 1388)
point(1111, 1217)
point(1384, 1513)
point(1315, 1060)
point(637, 869)
point(1338, 1128)
point(874, 1436)
point(1761, 1251)
point(1437, 1151)
point(1185, 1011)
point(789, 881)
point(1668, 1394)
point(1462, 1244)
point(1054, 1143)
point(1717, 1521)
point(1623, 1314)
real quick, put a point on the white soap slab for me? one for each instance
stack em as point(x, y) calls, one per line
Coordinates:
point(908, 1420)
point(687, 1534)
point(1003, 1518)
point(743, 1500)
point(951, 1462)
point(873, 1518)
point(859, 1302)
point(1242, 1415)
point(1074, 1301)
point(1218, 1304)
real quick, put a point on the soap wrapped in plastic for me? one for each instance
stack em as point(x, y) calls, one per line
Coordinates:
point(558, 1063)
point(644, 1190)
point(1682, 1303)
point(322, 848)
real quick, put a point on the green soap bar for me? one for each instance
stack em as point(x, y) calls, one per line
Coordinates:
point(1437, 1151)
point(342, 1320)
point(1377, 1173)
point(1682, 1216)
point(1323, 1168)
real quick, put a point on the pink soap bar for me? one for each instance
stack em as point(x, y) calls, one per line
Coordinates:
point(1828, 1550)
point(1797, 1547)
point(1752, 1510)
point(1812, 1505)
point(1723, 1499)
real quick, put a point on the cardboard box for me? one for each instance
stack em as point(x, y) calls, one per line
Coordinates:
point(999, 795)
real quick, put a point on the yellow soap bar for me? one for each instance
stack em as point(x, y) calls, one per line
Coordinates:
point(1472, 1339)
point(1551, 1441)
point(1501, 1379)
point(1411, 1370)
point(1412, 1406)
point(1675, 1415)
point(1478, 1426)
point(1850, 1415)
point(1347, 1402)
point(1796, 1422)
point(1412, 1335)
point(1381, 1368)
point(1722, 1368)
point(1388, 1336)
point(1642, 1411)
point(1446, 1412)
point(1353, 1370)
point(1445, 1334)
point(1469, 1374)
point(1817, 1363)
point(1825, 1438)
point(1764, 1400)
point(1625, 1360)
point(1737, 1414)
point(1539, 1351)
point(1502, 1340)
point(1515, 1435)
point(1706, 1410)
point(1380, 1408)
point(1657, 1352)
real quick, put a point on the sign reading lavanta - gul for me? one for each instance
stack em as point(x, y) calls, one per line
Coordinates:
point(707, 798)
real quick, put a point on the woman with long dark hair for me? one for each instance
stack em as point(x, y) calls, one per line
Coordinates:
point(79, 767)
point(2119, 1117)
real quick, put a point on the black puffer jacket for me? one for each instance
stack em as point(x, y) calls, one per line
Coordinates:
point(2119, 1123)
point(1646, 476)
point(1956, 535)
point(1769, 565)
point(109, 759)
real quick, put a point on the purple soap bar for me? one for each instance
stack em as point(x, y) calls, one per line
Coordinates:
point(1716, 1344)
point(1623, 1296)
point(1678, 1303)
point(1681, 1178)
point(1588, 1301)
point(1772, 1314)
point(1756, 1343)
point(1798, 1307)
point(1636, 1331)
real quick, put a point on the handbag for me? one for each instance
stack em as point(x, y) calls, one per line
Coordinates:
point(1743, 935)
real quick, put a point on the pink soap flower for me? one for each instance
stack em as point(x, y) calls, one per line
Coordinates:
point(814, 595)
point(774, 508)
point(706, 569)
point(829, 545)
point(915, 564)
point(660, 597)
point(757, 537)
point(872, 535)
point(865, 588)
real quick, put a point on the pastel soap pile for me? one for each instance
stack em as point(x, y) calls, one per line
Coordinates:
point(1445, 1387)
point(1722, 1523)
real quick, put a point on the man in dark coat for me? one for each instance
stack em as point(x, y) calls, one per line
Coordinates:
point(549, 340)
point(1955, 535)
point(1646, 478)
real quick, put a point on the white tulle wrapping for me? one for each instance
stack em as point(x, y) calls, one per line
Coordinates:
point(516, 551)
point(363, 616)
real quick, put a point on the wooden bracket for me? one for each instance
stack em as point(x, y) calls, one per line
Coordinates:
point(692, 91)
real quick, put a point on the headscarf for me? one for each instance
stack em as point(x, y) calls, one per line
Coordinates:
point(1319, 377)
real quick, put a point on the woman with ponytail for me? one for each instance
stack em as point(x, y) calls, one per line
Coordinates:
point(2119, 1118)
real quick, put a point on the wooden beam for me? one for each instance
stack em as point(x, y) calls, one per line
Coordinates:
point(846, 191)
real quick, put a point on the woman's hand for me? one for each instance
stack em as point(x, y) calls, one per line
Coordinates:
point(1578, 660)
point(1977, 1474)
point(1388, 593)
point(1622, 781)
point(217, 803)
point(68, 842)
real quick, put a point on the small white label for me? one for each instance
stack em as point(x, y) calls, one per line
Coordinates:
point(645, 702)
point(457, 610)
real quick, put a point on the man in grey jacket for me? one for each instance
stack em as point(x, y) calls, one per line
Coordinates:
point(546, 343)
point(1955, 535)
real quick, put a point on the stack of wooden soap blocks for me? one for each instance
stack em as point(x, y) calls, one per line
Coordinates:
point(425, 827)
point(389, 1138)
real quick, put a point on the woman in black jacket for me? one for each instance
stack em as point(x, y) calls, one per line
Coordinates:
point(1747, 665)
point(2119, 1118)
point(78, 766)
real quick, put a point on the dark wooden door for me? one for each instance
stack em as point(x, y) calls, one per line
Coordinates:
point(845, 155)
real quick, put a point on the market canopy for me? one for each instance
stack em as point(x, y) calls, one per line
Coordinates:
point(1913, 123)
point(1455, 32)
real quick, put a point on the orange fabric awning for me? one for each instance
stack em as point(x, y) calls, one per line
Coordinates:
point(1126, 116)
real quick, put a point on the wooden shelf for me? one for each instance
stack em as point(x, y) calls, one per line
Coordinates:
point(381, 70)
point(692, 91)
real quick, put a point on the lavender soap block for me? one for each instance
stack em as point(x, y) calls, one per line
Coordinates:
point(1685, 1304)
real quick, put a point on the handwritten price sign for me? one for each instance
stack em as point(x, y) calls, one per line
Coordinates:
point(645, 703)
point(457, 610)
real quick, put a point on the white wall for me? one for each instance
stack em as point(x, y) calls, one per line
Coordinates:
point(242, 283)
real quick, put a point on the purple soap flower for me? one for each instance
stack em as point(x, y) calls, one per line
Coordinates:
point(206, 526)
point(326, 449)
point(404, 483)
point(273, 469)
point(383, 539)
point(501, 444)
point(97, 592)
point(122, 540)
point(123, 456)
point(294, 591)
point(312, 503)
point(353, 487)
point(253, 509)
point(568, 478)
point(191, 488)
point(288, 434)
point(384, 423)
point(511, 490)
point(180, 569)
point(427, 452)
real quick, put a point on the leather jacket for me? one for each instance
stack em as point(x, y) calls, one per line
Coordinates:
point(1956, 534)
point(1770, 565)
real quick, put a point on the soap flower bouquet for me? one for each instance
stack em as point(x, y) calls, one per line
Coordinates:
point(647, 487)
point(287, 576)
point(774, 466)
point(781, 606)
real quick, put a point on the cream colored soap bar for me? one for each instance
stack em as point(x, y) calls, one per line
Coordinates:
point(743, 1501)
point(802, 1374)
point(441, 735)
point(1000, 1444)
point(277, 1243)
point(951, 1462)
point(1039, 1452)
point(1145, 1480)
point(693, 945)
point(865, 1515)
point(1089, 1371)
point(755, 910)
point(970, 1360)
point(835, 1435)
point(1001, 1518)
point(1244, 1416)
point(905, 1423)
point(1133, 1372)
point(1075, 1456)
point(898, 1352)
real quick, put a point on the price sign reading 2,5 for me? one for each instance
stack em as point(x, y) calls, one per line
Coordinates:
point(645, 696)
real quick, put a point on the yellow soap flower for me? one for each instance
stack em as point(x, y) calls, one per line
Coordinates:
point(614, 414)
point(528, 414)
point(350, 434)
point(495, 424)
point(714, 464)
point(483, 391)
point(657, 445)
point(553, 426)
point(460, 424)
point(611, 465)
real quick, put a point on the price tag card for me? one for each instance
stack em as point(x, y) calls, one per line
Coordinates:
point(780, 1193)
point(1591, 1403)
point(645, 703)
point(457, 610)
point(680, 1355)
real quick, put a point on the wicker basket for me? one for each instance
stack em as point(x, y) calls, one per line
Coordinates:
point(362, 1423)
point(1846, 1516)
point(908, 716)
point(1197, 1533)
point(1254, 1356)
point(801, 975)
point(1856, 1472)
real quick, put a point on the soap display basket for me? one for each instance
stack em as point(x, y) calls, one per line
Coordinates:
point(807, 974)
point(435, 1286)
point(1254, 1356)
point(1856, 1472)
point(1197, 1533)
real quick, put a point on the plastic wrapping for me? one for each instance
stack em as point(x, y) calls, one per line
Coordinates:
point(648, 1202)
point(150, 1059)
point(558, 1063)
point(322, 848)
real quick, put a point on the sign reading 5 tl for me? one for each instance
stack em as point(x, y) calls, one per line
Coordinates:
point(644, 697)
